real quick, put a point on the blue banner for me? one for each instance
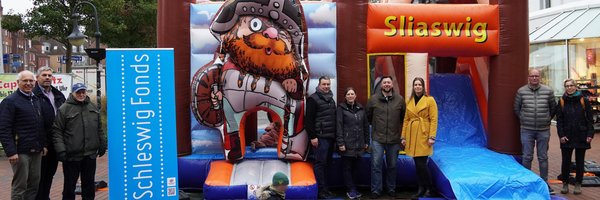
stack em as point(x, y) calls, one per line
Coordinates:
point(141, 124)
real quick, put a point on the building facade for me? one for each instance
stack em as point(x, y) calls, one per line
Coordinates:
point(565, 41)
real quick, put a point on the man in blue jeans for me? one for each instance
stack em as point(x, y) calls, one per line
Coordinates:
point(385, 112)
point(320, 123)
point(534, 106)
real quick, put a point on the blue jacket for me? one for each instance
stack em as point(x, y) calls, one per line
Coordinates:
point(21, 124)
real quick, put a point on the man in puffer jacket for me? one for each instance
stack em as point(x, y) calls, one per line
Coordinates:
point(78, 140)
point(321, 127)
point(21, 134)
point(534, 106)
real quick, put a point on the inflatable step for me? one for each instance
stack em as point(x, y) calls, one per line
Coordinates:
point(227, 180)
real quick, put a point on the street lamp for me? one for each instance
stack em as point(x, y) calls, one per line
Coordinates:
point(76, 38)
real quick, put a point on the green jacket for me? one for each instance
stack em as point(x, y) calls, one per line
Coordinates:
point(386, 116)
point(77, 130)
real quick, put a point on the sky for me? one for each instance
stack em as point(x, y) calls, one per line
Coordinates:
point(18, 6)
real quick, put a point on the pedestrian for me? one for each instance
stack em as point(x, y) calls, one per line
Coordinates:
point(419, 131)
point(276, 190)
point(22, 136)
point(534, 106)
point(78, 140)
point(320, 125)
point(269, 139)
point(574, 123)
point(352, 138)
point(385, 112)
point(51, 99)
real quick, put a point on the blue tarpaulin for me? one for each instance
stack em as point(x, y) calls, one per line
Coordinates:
point(460, 153)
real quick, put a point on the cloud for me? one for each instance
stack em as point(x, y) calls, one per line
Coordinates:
point(201, 38)
point(203, 143)
point(324, 14)
point(206, 14)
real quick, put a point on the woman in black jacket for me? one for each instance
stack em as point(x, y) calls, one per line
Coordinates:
point(575, 131)
point(352, 137)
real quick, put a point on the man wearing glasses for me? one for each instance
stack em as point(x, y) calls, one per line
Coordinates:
point(22, 136)
point(534, 106)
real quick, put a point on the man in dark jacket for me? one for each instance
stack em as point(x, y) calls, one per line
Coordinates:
point(21, 134)
point(51, 99)
point(385, 111)
point(534, 106)
point(320, 125)
point(78, 140)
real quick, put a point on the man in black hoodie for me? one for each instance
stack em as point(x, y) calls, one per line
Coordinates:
point(21, 134)
point(51, 99)
point(320, 123)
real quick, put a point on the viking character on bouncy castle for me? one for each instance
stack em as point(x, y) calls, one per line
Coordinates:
point(259, 65)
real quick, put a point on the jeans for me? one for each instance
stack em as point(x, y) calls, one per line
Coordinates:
point(49, 165)
point(350, 171)
point(71, 170)
point(539, 139)
point(391, 156)
point(565, 168)
point(323, 155)
point(26, 178)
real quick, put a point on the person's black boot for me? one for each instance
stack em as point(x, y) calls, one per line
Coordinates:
point(427, 192)
point(419, 193)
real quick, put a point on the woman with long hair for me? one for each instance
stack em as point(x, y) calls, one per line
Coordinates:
point(419, 131)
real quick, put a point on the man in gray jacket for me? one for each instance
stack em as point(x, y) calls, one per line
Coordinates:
point(78, 140)
point(534, 106)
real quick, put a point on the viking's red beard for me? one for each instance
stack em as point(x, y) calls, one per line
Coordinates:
point(262, 56)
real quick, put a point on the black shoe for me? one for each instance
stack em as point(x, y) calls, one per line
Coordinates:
point(427, 193)
point(375, 195)
point(551, 191)
point(419, 193)
point(325, 194)
point(392, 194)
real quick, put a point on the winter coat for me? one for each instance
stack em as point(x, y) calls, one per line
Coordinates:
point(268, 193)
point(352, 129)
point(77, 130)
point(21, 124)
point(575, 121)
point(386, 116)
point(48, 110)
point(420, 124)
point(320, 115)
point(535, 107)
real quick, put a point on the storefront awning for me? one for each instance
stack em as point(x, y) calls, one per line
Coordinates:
point(568, 24)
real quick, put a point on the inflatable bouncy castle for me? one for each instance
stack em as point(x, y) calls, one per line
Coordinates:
point(242, 64)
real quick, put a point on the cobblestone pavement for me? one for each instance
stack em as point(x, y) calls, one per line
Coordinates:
point(57, 183)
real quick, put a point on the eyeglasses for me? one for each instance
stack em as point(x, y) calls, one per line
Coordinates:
point(569, 86)
point(534, 76)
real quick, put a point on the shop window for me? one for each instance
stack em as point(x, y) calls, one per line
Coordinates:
point(551, 59)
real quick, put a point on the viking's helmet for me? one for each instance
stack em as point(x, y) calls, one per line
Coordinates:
point(283, 12)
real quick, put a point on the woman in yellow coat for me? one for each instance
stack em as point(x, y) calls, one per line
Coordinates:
point(418, 132)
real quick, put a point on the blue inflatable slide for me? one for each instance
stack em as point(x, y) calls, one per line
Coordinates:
point(462, 167)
